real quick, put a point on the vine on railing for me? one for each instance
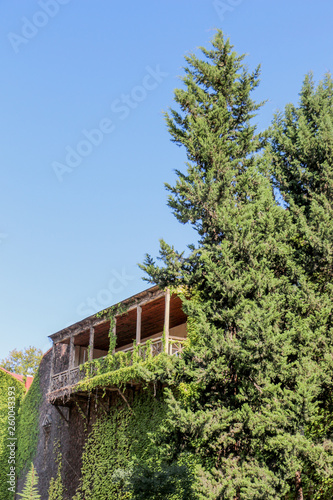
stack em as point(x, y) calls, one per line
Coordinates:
point(112, 362)
point(136, 355)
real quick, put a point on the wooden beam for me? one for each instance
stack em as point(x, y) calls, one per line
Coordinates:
point(61, 414)
point(71, 353)
point(138, 324)
point(142, 299)
point(166, 320)
point(82, 412)
point(114, 333)
point(152, 296)
point(52, 365)
point(91, 343)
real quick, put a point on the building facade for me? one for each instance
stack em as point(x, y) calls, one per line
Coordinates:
point(143, 326)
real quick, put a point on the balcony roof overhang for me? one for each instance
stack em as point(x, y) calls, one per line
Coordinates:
point(100, 323)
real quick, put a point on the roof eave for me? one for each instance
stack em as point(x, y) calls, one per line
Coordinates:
point(95, 320)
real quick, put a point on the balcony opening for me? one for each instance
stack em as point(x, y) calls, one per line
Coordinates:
point(152, 316)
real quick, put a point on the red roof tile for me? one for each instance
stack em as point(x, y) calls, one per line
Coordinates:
point(27, 382)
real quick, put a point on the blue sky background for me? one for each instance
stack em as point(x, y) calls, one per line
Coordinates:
point(70, 248)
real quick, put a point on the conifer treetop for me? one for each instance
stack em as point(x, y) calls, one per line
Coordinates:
point(214, 124)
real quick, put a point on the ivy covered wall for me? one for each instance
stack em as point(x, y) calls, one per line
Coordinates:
point(122, 441)
point(119, 438)
point(28, 430)
point(13, 389)
point(101, 440)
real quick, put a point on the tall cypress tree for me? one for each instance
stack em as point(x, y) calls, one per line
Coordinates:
point(300, 151)
point(243, 391)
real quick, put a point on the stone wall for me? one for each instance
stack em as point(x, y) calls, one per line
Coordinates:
point(55, 434)
point(67, 433)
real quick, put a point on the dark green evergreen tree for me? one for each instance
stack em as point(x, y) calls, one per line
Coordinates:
point(301, 154)
point(301, 150)
point(245, 389)
point(172, 482)
point(30, 491)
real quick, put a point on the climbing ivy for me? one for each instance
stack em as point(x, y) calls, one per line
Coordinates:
point(28, 430)
point(7, 383)
point(127, 367)
point(119, 443)
point(121, 456)
point(56, 488)
point(110, 313)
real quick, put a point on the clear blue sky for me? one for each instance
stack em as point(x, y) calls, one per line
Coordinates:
point(73, 227)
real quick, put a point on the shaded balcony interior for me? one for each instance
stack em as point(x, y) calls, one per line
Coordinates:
point(152, 324)
point(149, 316)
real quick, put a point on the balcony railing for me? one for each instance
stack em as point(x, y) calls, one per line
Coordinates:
point(153, 347)
point(66, 379)
point(156, 347)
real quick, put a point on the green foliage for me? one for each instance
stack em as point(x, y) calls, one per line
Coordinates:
point(122, 368)
point(24, 362)
point(56, 488)
point(256, 374)
point(9, 388)
point(173, 482)
point(301, 152)
point(110, 313)
point(118, 443)
point(28, 430)
point(30, 491)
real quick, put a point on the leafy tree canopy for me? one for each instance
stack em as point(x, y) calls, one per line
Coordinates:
point(23, 362)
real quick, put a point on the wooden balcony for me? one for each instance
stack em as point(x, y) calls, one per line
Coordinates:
point(67, 378)
point(148, 314)
point(63, 383)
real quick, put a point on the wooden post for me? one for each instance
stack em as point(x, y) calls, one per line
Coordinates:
point(52, 365)
point(71, 353)
point(114, 333)
point(91, 343)
point(138, 324)
point(166, 320)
